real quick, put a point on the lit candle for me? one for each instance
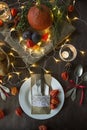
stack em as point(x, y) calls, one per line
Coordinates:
point(65, 54)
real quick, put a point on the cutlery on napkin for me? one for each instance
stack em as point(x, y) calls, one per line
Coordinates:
point(40, 101)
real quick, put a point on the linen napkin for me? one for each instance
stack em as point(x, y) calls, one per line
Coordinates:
point(40, 104)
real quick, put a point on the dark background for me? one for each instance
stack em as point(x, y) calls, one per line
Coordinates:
point(72, 116)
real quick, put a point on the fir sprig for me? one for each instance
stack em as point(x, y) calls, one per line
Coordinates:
point(59, 18)
point(23, 23)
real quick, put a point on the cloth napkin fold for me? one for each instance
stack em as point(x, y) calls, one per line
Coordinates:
point(40, 104)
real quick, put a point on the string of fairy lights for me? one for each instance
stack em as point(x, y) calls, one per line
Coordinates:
point(47, 57)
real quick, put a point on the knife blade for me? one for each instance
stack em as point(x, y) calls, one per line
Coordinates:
point(42, 82)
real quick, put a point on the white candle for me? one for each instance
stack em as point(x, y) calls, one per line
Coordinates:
point(65, 54)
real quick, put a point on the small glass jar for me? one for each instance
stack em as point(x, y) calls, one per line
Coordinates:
point(5, 14)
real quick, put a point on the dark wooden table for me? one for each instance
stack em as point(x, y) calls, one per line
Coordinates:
point(72, 116)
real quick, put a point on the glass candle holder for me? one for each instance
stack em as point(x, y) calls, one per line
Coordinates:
point(5, 14)
point(67, 52)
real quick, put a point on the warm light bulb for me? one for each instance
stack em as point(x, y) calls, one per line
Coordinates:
point(75, 18)
point(67, 40)
point(22, 7)
point(56, 60)
point(9, 76)
point(82, 52)
point(59, 12)
point(26, 78)
point(68, 18)
point(12, 29)
point(12, 64)
point(46, 71)
point(11, 54)
point(18, 73)
point(34, 65)
point(39, 43)
point(20, 38)
point(31, 72)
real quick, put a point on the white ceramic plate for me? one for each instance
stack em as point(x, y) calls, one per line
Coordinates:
point(25, 103)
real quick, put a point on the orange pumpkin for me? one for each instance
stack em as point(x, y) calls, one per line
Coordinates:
point(40, 17)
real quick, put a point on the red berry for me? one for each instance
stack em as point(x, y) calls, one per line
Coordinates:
point(30, 43)
point(52, 106)
point(1, 114)
point(1, 23)
point(14, 12)
point(54, 93)
point(55, 101)
point(45, 36)
point(18, 111)
point(42, 127)
point(70, 8)
point(64, 75)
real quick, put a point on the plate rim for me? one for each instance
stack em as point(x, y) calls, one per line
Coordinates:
point(41, 116)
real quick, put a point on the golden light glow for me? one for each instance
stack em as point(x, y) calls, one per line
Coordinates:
point(33, 65)
point(12, 64)
point(13, 49)
point(82, 52)
point(2, 43)
point(25, 47)
point(75, 18)
point(46, 31)
point(56, 60)
point(20, 38)
point(46, 71)
point(49, 36)
point(54, 8)
point(22, 7)
point(11, 54)
point(39, 43)
point(74, 2)
point(12, 29)
point(18, 73)
point(25, 79)
point(68, 18)
point(31, 72)
point(42, 50)
point(59, 12)
point(0, 81)
point(9, 76)
point(67, 40)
